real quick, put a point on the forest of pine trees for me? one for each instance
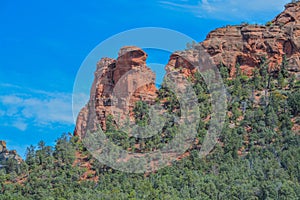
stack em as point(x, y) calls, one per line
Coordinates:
point(257, 157)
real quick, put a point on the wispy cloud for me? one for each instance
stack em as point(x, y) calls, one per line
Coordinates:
point(20, 125)
point(29, 107)
point(231, 10)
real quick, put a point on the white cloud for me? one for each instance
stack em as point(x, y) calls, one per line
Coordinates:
point(207, 6)
point(231, 10)
point(22, 126)
point(50, 110)
point(10, 100)
point(34, 107)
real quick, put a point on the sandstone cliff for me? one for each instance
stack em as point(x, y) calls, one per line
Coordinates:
point(245, 45)
point(119, 78)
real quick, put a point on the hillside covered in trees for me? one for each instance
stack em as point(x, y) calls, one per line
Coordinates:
point(257, 156)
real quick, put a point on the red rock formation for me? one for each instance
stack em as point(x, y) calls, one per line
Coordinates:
point(247, 44)
point(243, 44)
point(123, 79)
point(182, 61)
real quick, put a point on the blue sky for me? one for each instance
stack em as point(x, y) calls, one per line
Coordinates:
point(43, 43)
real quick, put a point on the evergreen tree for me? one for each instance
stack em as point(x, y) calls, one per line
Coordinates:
point(284, 67)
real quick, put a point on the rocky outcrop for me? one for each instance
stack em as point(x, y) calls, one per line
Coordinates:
point(5, 154)
point(117, 85)
point(247, 44)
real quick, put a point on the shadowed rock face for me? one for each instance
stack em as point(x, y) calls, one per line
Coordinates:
point(2, 146)
point(5, 154)
point(117, 78)
point(247, 44)
point(244, 44)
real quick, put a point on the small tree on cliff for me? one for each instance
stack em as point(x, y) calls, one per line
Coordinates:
point(141, 110)
point(284, 67)
point(224, 71)
point(110, 125)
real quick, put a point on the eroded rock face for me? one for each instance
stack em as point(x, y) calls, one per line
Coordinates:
point(2, 146)
point(247, 44)
point(123, 79)
point(5, 154)
point(244, 44)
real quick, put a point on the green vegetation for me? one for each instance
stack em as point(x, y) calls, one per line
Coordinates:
point(258, 156)
point(269, 23)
